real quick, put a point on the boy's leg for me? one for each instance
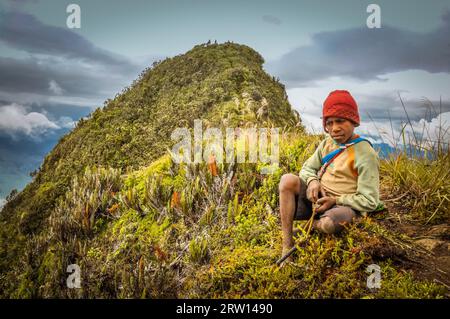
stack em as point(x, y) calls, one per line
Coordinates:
point(332, 220)
point(289, 187)
point(293, 206)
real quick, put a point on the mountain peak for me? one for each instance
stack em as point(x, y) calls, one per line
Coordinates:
point(224, 85)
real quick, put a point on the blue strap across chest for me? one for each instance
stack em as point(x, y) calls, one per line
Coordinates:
point(341, 148)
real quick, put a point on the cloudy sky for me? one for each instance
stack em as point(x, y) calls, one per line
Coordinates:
point(51, 76)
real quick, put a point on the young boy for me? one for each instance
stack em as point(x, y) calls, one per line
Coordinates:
point(348, 184)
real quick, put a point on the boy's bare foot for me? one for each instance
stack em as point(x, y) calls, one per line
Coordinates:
point(289, 259)
point(315, 224)
point(286, 248)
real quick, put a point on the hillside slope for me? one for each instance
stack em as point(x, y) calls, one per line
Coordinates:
point(222, 84)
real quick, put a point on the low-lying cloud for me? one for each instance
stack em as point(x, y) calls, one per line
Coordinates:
point(427, 133)
point(15, 119)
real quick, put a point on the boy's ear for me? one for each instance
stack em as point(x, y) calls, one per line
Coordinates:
point(323, 123)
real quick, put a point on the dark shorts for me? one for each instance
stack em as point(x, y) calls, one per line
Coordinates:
point(303, 209)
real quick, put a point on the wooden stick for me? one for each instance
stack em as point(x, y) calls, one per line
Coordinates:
point(308, 225)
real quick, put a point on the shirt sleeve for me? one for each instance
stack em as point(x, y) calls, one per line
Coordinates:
point(312, 165)
point(366, 198)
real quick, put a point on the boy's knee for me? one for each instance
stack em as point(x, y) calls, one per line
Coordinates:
point(327, 225)
point(288, 182)
point(335, 219)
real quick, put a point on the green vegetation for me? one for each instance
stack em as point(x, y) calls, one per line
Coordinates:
point(423, 184)
point(110, 199)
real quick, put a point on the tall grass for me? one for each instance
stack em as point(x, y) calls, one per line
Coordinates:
point(421, 185)
point(418, 172)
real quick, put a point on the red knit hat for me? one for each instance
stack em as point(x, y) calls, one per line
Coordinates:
point(340, 103)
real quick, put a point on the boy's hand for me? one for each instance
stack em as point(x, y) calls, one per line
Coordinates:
point(325, 203)
point(312, 192)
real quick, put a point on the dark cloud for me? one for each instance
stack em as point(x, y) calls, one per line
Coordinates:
point(60, 63)
point(365, 54)
point(18, 4)
point(21, 2)
point(23, 31)
point(20, 75)
point(271, 19)
point(33, 75)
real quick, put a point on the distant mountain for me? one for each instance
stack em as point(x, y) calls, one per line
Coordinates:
point(384, 149)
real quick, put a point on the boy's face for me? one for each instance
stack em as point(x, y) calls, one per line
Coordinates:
point(341, 130)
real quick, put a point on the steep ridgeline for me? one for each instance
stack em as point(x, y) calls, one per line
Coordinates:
point(222, 84)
